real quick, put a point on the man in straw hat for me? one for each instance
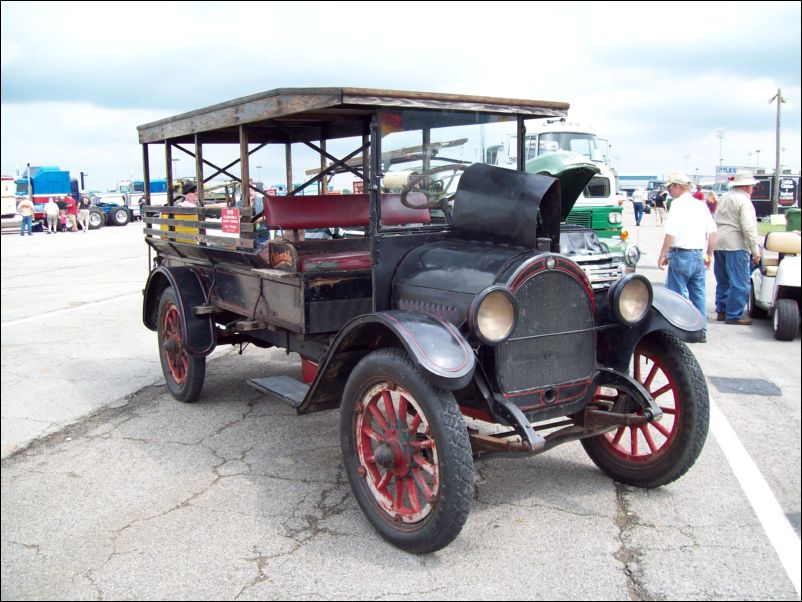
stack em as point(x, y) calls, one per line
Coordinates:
point(688, 244)
point(737, 241)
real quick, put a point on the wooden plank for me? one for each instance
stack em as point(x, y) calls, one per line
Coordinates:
point(246, 228)
point(273, 274)
point(365, 95)
point(217, 241)
point(207, 211)
point(240, 111)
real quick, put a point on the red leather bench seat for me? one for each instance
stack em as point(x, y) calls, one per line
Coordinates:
point(338, 211)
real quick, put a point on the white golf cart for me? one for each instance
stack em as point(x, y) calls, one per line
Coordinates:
point(776, 287)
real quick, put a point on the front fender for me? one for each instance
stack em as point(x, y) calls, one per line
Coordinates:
point(197, 332)
point(670, 312)
point(678, 311)
point(436, 347)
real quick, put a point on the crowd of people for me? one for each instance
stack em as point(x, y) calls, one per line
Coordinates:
point(701, 231)
point(62, 214)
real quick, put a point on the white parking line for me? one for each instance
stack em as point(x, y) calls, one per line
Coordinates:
point(768, 510)
point(55, 312)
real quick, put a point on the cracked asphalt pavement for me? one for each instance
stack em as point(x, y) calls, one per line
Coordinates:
point(113, 490)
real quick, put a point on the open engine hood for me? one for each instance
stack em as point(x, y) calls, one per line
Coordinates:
point(573, 171)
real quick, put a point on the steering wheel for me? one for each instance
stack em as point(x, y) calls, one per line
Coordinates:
point(435, 196)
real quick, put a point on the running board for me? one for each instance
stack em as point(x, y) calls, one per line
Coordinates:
point(282, 388)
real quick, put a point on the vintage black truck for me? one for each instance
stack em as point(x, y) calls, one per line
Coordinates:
point(442, 317)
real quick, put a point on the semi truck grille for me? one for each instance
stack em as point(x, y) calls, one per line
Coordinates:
point(553, 341)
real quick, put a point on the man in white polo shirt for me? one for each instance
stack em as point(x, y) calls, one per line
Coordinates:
point(688, 245)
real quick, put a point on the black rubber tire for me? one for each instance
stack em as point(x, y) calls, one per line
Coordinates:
point(120, 216)
point(186, 388)
point(752, 307)
point(785, 320)
point(690, 419)
point(449, 510)
point(97, 219)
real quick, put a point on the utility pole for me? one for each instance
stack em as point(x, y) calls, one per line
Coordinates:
point(775, 194)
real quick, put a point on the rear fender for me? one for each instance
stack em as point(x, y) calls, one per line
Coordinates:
point(436, 347)
point(198, 337)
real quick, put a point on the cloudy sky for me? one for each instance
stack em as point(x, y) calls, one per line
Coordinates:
point(656, 79)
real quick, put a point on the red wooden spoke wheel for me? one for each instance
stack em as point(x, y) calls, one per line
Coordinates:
point(656, 453)
point(397, 453)
point(183, 373)
point(406, 452)
point(171, 344)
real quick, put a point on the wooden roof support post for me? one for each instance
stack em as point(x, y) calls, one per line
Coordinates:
point(146, 173)
point(199, 170)
point(366, 158)
point(168, 169)
point(324, 180)
point(288, 165)
point(244, 167)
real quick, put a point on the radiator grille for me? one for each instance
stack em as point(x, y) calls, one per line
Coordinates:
point(581, 218)
point(553, 341)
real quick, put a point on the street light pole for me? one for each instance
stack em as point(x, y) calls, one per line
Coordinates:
point(757, 160)
point(720, 135)
point(775, 194)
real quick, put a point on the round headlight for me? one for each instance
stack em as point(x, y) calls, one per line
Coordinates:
point(631, 298)
point(632, 256)
point(494, 316)
point(614, 217)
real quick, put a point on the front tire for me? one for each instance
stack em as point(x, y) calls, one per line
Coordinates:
point(183, 373)
point(406, 452)
point(659, 452)
point(785, 320)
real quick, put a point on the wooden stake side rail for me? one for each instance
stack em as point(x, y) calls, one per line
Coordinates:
point(190, 224)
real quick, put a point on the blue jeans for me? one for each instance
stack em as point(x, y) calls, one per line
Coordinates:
point(732, 282)
point(27, 224)
point(686, 276)
point(638, 207)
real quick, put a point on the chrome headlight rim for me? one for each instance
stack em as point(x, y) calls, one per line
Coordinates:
point(476, 308)
point(632, 255)
point(614, 217)
point(618, 296)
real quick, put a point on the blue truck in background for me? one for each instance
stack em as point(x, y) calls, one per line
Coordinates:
point(42, 183)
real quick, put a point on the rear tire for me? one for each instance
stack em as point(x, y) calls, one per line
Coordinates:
point(659, 452)
point(183, 373)
point(785, 320)
point(120, 216)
